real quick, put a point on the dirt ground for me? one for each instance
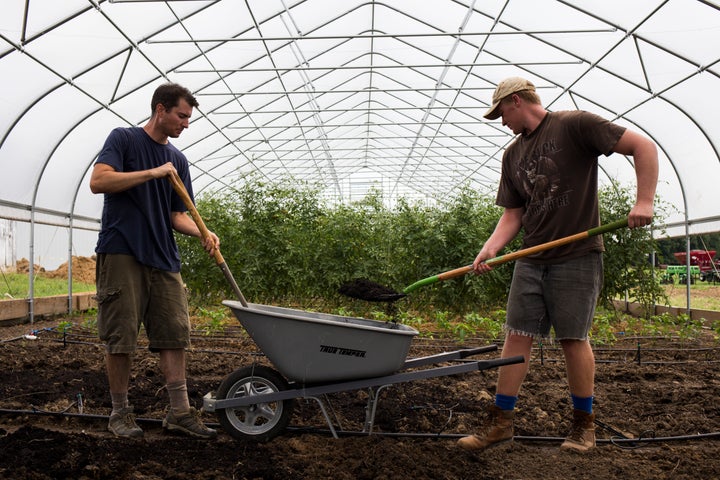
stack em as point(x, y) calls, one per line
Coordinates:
point(662, 392)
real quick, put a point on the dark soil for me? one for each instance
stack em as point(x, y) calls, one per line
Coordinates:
point(365, 289)
point(668, 393)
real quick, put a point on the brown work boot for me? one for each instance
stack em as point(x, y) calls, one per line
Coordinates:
point(122, 424)
point(582, 433)
point(498, 429)
point(189, 424)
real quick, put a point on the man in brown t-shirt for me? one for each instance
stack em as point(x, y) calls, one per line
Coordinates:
point(548, 188)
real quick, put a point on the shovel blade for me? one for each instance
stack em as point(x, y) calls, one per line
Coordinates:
point(364, 289)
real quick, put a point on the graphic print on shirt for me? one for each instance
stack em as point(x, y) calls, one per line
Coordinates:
point(540, 177)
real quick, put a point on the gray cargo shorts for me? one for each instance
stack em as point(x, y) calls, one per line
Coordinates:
point(562, 296)
point(129, 295)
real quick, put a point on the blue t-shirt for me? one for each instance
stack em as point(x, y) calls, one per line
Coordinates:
point(138, 221)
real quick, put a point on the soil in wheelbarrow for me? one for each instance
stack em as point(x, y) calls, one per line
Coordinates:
point(669, 390)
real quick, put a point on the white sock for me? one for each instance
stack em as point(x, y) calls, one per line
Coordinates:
point(119, 401)
point(177, 391)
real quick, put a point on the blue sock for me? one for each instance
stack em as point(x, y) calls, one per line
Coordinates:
point(505, 402)
point(583, 404)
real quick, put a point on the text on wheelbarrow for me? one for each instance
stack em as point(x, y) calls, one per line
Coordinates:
point(342, 351)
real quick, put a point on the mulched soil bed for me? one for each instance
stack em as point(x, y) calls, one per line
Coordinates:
point(646, 388)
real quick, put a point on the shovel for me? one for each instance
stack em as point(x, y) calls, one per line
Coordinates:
point(366, 290)
point(179, 188)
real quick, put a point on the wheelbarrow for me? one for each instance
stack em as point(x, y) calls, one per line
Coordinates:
point(315, 354)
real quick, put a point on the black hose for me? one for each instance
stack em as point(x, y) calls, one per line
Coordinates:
point(447, 436)
point(517, 438)
point(83, 416)
point(7, 340)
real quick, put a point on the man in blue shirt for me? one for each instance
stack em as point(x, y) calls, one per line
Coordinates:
point(138, 263)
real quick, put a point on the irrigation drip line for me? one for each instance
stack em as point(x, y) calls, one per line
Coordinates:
point(32, 335)
point(619, 441)
point(83, 416)
point(196, 335)
point(13, 339)
point(647, 349)
point(189, 350)
point(638, 359)
point(67, 335)
point(66, 341)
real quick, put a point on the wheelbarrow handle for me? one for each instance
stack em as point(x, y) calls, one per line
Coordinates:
point(499, 362)
point(458, 272)
point(180, 189)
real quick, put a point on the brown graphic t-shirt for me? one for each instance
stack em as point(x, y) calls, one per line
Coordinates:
point(552, 174)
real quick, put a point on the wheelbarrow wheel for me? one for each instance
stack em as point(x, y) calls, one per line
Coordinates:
point(261, 421)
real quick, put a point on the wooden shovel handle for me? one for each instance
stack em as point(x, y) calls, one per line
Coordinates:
point(458, 272)
point(608, 227)
point(179, 188)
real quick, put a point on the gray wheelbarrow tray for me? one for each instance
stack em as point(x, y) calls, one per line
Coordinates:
point(311, 347)
point(320, 354)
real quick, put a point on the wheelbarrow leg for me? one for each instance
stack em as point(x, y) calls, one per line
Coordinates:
point(371, 408)
point(325, 414)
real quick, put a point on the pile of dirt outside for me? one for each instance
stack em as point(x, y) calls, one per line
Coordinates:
point(83, 270)
point(23, 266)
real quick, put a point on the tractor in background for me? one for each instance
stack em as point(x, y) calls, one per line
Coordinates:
point(703, 266)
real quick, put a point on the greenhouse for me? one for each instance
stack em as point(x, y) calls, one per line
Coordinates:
point(340, 140)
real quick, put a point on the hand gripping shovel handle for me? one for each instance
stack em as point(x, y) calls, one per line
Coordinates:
point(179, 188)
point(519, 254)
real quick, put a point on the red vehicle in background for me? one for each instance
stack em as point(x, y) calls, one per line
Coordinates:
point(705, 260)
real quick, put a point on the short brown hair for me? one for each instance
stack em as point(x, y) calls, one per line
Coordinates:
point(529, 96)
point(169, 95)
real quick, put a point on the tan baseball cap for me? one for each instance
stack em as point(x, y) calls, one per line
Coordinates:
point(506, 88)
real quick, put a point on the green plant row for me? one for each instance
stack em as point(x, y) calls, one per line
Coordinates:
point(282, 242)
point(609, 327)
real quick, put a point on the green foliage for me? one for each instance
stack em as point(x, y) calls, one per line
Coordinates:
point(488, 327)
point(454, 235)
point(283, 244)
point(611, 324)
point(628, 269)
point(690, 329)
point(89, 319)
point(64, 326)
point(407, 318)
point(603, 329)
point(213, 320)
point(667, 325)
point(443, 320)
point(715, 330)
point(268, 240)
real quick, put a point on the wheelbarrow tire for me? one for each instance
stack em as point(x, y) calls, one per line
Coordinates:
point(260, 422)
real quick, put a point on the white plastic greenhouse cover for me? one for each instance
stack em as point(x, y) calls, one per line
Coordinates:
point(351, 95)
